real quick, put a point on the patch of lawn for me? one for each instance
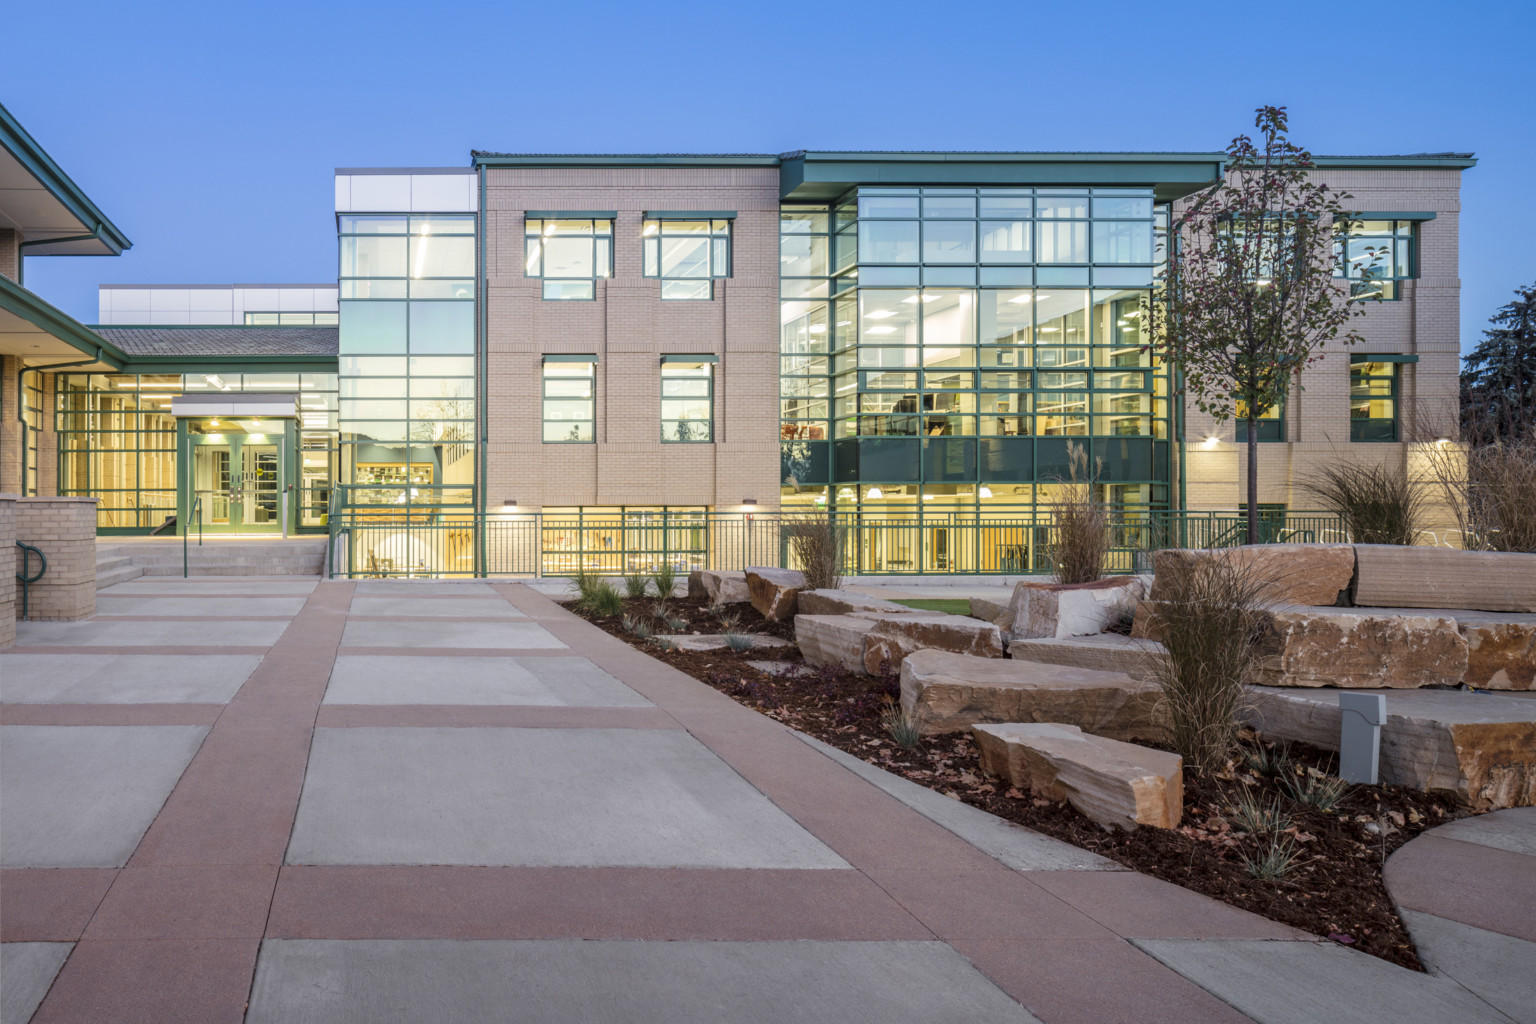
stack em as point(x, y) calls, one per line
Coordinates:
point(948, 605)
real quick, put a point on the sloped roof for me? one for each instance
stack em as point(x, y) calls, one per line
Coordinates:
point(223, 341)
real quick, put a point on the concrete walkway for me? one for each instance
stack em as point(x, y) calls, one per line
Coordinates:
point(279, 800)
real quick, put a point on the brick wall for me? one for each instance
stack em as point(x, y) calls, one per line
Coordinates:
point(630, 328)
point(10, 254)
point(64, 529)
point(7, 579)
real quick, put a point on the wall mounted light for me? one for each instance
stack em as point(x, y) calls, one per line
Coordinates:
point(509, 503)
point(749, 502)
point(1212, 442)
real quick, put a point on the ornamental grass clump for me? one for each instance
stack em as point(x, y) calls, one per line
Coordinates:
point(1492, 491)
point(1257, 815)
point(603, 600)
point(635, 584)
point(1312, 788)
point(664, 576)
point(1274, 859)
point(1079, 524)
point(1378, 504)
point(816, 542)
point(739, 642)
point(1210, 619)
point(905, 730)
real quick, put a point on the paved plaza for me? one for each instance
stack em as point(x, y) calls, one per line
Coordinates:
point(280, 799)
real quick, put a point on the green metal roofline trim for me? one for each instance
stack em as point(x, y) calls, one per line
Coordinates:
point(702, 357)
point(1421, 160)
point(16, 299)
point(483, 159)
point(690, 214)
point(1394, 215)
point(570, 214)
point(566, 357)
point(230, 364)
point(41, 166)
point(1382, 357)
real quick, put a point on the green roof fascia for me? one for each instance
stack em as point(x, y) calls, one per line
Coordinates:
point(570, 214)
point(56, 323)
point(1382, 357)
point(569, 357)
point(827, 175)
point(42, 167)
point(684, 357)
point(1394, 215)
point(690, 214)
point(480, 159)
point(231, 364)
point(1412, 161)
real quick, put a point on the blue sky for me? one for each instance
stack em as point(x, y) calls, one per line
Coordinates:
point(208, 132)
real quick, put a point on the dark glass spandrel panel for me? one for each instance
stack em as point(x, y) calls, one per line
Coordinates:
point(845, 454)
point(1123, 458)
point(804, 462)
point(949, 459)
point(889, 459)
point(1052, 463)
point(1006, 459)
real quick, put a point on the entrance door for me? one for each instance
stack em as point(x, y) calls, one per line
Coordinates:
point(240, 483)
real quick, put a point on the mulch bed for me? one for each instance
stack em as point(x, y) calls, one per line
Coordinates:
point(1333, 887)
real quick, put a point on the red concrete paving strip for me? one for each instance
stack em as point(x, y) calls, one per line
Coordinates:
point(1093, 981)
point(997, 903)
point(50, 904)
point(1479, 885)
point(342, 716)
point(586, 903)
point(1140, 906)
point(109, 714)
point(193, 981)
point(223, 901)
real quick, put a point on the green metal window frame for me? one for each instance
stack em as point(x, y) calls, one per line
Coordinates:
point(32, 415)
point(599, 229)
point(590, 362)
point(681, 369)
point(259, 319)
point(1271, 425)
point(717, 230)
point(1363, 427)
point(1381, 282)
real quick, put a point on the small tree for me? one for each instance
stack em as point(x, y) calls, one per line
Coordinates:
point(1249, 297)
point(1498, 381)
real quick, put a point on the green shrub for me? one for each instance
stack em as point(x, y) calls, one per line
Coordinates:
point(665, 579)
point(603, 600)
point(816, 543)
point(1079, 536)
point(905, 730)
point(739, 642)
point(635, 584)
point(1274, 859)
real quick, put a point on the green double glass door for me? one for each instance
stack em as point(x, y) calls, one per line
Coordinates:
point(237, 483)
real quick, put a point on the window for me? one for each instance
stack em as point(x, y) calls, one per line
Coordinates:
point(570, 255)
point(570, 390)
point(1376, 255)
point(1372, 400)
point(687, 255)
point(687, 400)
point(1270, 424)
point(291, 319)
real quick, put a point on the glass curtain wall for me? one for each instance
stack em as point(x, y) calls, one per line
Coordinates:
point(117, 440)
point(944, 350)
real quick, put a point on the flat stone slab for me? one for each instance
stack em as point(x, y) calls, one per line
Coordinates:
point(783, 668)
point(716, 641)
point(451, 679)
point(845, 602)
point(537, 797)
point(165, 633)
point(952, 692)
point(165, 586)
point(123, 678)
point(773, 591)
point(450, 982)
point(1361, 648)
point(1105, 652)
point(144, 604)
point(723, 587)
point(82, 796)
point(1118, 785)
point(1309, 574)
point(1072, 609)
point(1018, 847)
point(1477, 747)
point(1496, 967)
point(29, 969)
point(422, 588)
point(467, 607)
point(1388, 575)
point(449, 633)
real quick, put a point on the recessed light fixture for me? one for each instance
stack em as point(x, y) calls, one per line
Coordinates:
point(509, 503)
point(882, 329)
point(875, 492)
point(986, 492)
point(879, 314)
point(749, 502)
point(1021, 299)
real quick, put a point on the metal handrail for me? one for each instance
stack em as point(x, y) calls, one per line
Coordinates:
point(27, 551)
point(197, 510)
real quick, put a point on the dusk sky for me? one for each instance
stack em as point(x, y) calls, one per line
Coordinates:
point(208, 133)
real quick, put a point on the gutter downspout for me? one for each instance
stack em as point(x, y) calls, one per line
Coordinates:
point(482, 331)
point(21, 415)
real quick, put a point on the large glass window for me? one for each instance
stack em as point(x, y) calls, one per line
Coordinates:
point(1373, 401)
point(570, 391)
point(1268, 425)
point(687, 255)
point(291, 319)
point(687, 401)
point(570, 255)
point(1375, 255)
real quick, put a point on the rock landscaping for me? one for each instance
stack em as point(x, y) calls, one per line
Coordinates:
point(1308, 574)
point(1072, 609)
point(773, 592)
point(877, 642)
point(718, 587)
point(1388, 576)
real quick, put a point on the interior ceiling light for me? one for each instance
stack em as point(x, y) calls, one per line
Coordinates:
point(1020, 299)
point(883, 329)
point(875, 492)
point(986, 492)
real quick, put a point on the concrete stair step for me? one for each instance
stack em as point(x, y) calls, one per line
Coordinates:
point(116, 575)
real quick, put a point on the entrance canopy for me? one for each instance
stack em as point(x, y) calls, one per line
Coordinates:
point(237, 405)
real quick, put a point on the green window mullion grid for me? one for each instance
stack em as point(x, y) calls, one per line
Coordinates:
point(561, 391)
point(681, 429)
point(1369, 390)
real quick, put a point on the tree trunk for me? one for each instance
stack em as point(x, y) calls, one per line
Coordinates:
point(1253, 479)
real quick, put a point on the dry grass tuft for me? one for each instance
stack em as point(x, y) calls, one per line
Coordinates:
point(1079, 525)
point(1378, 504)
point(816, 544)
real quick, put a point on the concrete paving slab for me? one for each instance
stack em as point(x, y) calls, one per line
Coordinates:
point(1513, 830)
point(537, 797)
point(146, 604)
point(638, 982)
point(448, 679)
point(123, 678)
point(170, 586)
point(29, 969)
point(436, 607)
point(447, 588)
point(82, 796)
point(1279, 982)
point(449, 634)
point(1499, 969)
point(1020, 848)
point(169, 633)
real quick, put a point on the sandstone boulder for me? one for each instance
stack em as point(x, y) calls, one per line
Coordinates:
point(845, 602)
point(995, 612)
point(1360, 648)
point(1411, 577)
point(773, 591)
point(1501, 650)
point(719, 587)
point(1107, 652)
point(1072, 609)
point(1118, 785)
point(832, 640)
point(948, 692)
point(874, 642)
point(696, 586)
point(1309, 574)
point(1478, 747)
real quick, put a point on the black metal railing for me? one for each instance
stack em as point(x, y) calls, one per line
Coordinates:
point(26, 577)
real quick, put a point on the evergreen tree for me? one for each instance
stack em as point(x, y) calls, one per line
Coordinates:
point(1498, 380)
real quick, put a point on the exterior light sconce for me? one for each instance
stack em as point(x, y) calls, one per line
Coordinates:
point(1442, 440)
point(750, 505)
point(1211, 443)
point(510, 503)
